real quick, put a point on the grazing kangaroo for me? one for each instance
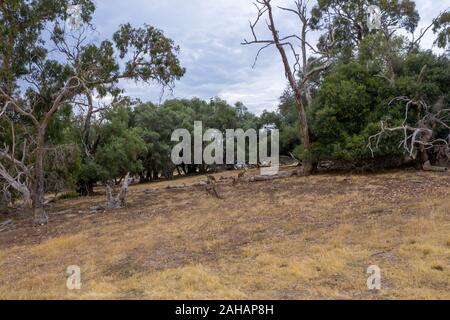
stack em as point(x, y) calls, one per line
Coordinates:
point(211, 187)
point(242, 173)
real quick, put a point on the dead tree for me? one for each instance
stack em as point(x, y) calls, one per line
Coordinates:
point(308, 68)
point(14, 170)
point(114, 201)
point(118, 201)
point(420, 140)
point(314, 60)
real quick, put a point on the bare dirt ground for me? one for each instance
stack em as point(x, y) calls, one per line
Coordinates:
point(295, 238)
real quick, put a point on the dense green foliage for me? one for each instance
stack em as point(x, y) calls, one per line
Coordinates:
point(137, 138)
point(353, 99)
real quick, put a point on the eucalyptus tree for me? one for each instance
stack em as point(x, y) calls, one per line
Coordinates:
point(441, 27)
point(46, 68)
point(350, 18)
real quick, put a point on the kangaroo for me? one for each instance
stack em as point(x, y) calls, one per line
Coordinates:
point(211, 187)
point(242, 173)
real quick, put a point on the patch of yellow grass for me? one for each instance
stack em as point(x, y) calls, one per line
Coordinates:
point(104, 288)
point(56, 247)
point(189, 282)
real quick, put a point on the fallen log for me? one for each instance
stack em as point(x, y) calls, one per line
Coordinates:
point(184, 186)
point(6, 225)
point(176, 187)
point(280, 175)
point(427, 166)
point(54, 199)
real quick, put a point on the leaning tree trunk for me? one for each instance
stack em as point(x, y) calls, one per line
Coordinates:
point(427, 166)
point(22, 188)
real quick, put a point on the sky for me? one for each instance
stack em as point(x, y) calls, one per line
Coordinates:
point(209, 34)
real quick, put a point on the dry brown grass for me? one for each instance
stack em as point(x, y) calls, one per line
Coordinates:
point(298, 238)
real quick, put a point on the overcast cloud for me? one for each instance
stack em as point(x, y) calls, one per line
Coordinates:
point(209, 33)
